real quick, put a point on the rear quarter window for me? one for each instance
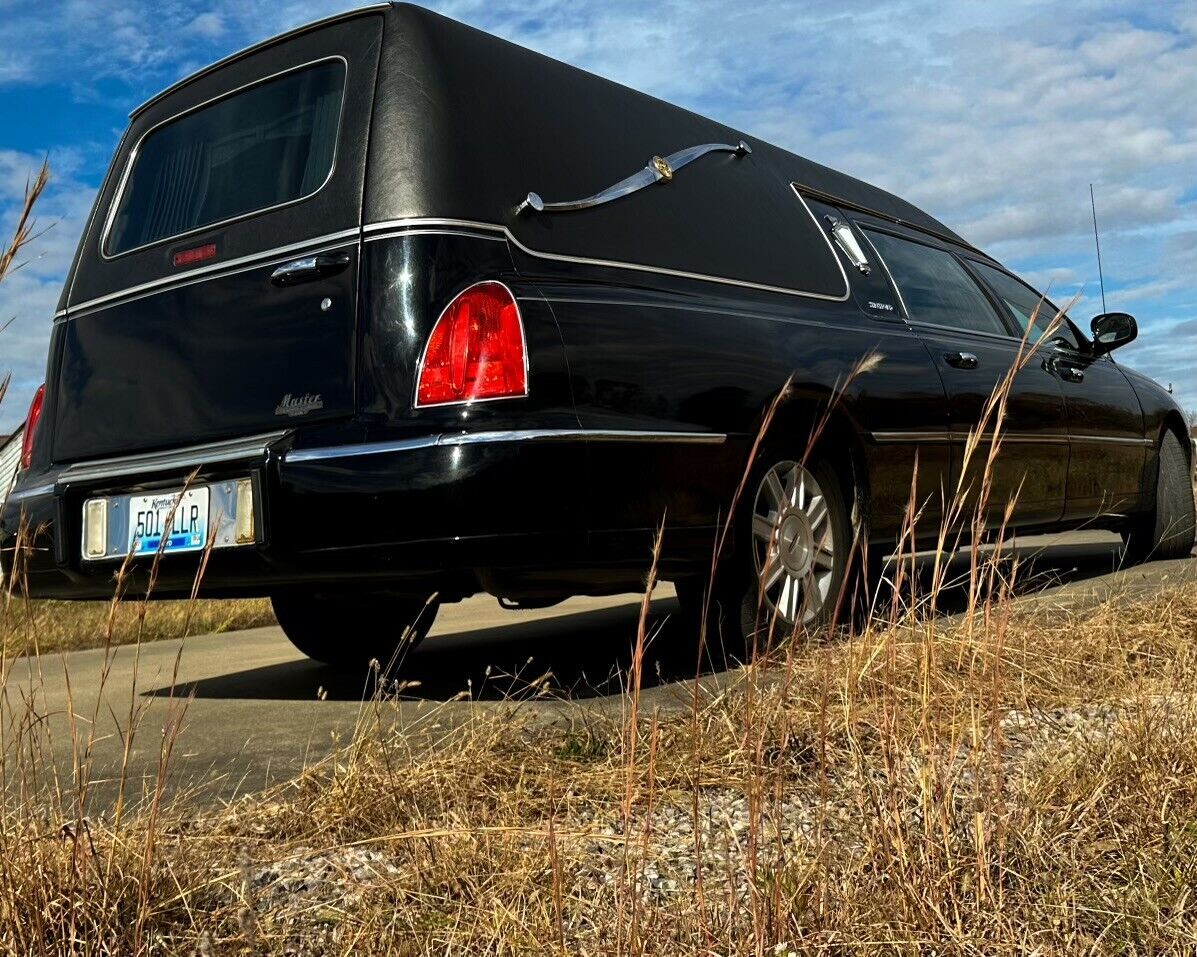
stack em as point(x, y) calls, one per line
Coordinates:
point(264, 146)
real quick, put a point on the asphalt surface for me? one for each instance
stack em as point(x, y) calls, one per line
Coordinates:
point(252, 711)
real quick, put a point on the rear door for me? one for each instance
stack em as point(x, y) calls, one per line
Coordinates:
point(974, 348)
point(215, 291)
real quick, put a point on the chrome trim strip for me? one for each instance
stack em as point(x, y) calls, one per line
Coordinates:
point(26, 493)
point(256, 47)
point(1014, 438)
point(889, 438)
point(657, 170)
point(1115, 440)
point(395, 227)
point(196, 455)
point(136, 151)
point(506, 435)
point(216, 270)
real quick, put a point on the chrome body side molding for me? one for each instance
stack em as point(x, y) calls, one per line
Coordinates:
point(506, 435)
point(1014, 438)
point(420, 224)
point(658, 170)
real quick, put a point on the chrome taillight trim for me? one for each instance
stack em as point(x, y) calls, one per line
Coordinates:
point(417, 404)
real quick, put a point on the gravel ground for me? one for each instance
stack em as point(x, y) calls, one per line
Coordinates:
point(306, 892)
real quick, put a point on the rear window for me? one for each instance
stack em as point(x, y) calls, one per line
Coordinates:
point(264, 146)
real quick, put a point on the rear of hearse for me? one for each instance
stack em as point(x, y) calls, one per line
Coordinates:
point(240, 383)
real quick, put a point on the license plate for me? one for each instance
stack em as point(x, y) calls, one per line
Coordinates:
point(157, 523)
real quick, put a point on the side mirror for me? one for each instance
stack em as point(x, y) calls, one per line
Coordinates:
point(1112, 330)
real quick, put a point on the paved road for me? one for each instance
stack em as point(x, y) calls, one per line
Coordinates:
point(258, 711)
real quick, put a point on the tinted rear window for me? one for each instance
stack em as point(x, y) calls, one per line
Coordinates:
point(268, 145)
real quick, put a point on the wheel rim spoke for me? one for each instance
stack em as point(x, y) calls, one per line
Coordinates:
point(817, 512)
point(763, 528)
point(824, 556)
point(775, 490)
point(773, 574)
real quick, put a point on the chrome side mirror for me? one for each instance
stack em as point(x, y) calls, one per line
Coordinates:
point(1112, 330)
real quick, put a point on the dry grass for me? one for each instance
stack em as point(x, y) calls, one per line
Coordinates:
point(1026, 783)
point(41, 627)
point(1020, 781)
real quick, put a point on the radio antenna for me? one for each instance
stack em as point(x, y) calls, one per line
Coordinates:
point(1097, 242)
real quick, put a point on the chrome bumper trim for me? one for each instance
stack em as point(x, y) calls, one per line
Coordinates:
point(196, 455)
point(509, 435)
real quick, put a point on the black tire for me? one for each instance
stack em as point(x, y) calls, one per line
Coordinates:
point(351, 630)
point(1166, 532)
point(743, 620)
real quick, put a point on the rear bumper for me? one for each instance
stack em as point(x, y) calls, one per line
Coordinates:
point(335, 508)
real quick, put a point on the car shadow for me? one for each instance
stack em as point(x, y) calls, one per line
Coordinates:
point(577, 656)
point(580, 656)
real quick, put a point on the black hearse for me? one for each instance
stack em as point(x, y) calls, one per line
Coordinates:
point(409, 310)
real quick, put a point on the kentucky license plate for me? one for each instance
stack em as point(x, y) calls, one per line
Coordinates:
point(168, 522)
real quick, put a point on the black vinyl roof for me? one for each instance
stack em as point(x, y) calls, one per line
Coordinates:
point(466, 125)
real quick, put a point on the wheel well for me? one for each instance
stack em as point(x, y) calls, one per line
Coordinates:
point(792, 429)
point(1174, 422)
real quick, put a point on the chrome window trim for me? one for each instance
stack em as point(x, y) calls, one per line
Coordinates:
point(415, 398)
point(451, 440)
point(395, 227)
point(136, 152)
point(326, 243)
point(884, 265)
point(212, 453)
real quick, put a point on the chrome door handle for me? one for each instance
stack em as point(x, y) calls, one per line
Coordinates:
point(961, 360)
point(1067, 372)
point(309, 268)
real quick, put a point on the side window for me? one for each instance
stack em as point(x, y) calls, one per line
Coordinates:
point(934, 287)
point(1024, 303)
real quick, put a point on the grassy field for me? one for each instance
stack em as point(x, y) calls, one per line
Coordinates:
point(41, 627)
point(1023, 781)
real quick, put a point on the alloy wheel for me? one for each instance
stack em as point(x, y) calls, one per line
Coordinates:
point(794, 544)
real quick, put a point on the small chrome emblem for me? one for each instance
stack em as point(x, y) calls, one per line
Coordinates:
point(883, 306)
point(664, 170)
point(298, 405)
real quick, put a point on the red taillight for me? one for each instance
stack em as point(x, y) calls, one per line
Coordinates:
point(476, 350)
point(31, 420)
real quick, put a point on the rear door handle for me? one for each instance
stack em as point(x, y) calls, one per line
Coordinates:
point(961, 360)
point(310, 268)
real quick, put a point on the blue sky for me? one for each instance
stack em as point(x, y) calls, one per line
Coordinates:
point(993, 116)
